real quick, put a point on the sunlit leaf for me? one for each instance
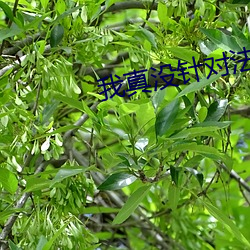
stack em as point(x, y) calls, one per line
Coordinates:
point(117, 181)
point(8, 180)
point(173, 196)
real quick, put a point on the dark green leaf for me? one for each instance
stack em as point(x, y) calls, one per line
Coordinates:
point(7, 10)
point(174, 172)
point(166, 117)
point(117, 181)
point(216, 110)
point(132, 203)
point(56, 35)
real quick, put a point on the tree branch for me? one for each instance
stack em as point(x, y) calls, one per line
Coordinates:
point(21, 44)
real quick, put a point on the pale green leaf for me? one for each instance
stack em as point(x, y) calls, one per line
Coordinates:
point(8, 180)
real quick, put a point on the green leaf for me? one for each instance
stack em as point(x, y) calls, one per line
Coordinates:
point(56, 35)
point(70, 101)
point(8, 180)
point(202, 114)
point(49, 110)
point(132, 203)
point(174, 172)
point(68, 12)
point(13, 31)
point(41, 243)
point(193, 132)
point(216, 110)
point(219, 125)
point(222, 40)
point(166, 117)
point(145, 34)
point(158, 98)
point(185, 54)
point(98, 210)
point(9, 211)
point(33, 183)
point(201, 84)
point(162, 12)
point(66, 172)
point(194, 161)
point(128, 108)
point(206, 151)
point(7, 10)
point(173, 196)
point(44, 3)
point(198, 175)
point(207, 47)
point(227, 223)
point(49, 244)
point(13, 246)
point(117, 181)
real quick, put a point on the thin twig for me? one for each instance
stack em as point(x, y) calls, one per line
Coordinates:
point(235, 176)
point(148, 14)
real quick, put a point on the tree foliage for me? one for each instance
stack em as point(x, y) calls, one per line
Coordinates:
point(166, 169)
